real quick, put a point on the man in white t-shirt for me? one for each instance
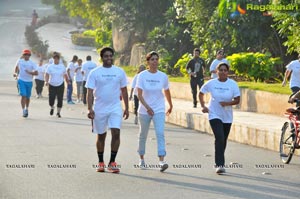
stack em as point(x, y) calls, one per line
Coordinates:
point(104, 84)
point(85, 70)
point(293, 70)
point(25, 70)
point(219, 59)
point(71, 72)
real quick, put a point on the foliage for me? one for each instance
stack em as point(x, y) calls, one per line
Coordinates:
point(39, 47)
point(83, 40)
point(288, 25)
point(182, 62)
point(257, 66)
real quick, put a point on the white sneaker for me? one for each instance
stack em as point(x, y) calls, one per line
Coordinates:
point(220, 170)
point(78, 101)
point(136, 120)
point(142, 164)
point(163, 166)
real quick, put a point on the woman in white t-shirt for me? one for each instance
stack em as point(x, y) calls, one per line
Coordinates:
point(150, 84)
point(54, 79)
point(224, 94)
point(134, 92)
point(293, 70)
point(40, 79)
point(78, 79)
point(219, 59)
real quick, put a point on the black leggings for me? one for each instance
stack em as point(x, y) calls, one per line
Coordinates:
point(194, 82)
point(136, 104)
point(221, 131)
point(39, 86)
point(56, 91)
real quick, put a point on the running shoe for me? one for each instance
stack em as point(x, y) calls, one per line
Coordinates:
point(101, 167)
point(25, 113)
point(58, 115)
point(113, 167)
point(71, 102)
point(220, 170)
point(163, 166)
point(51, 111)
point(142, 164)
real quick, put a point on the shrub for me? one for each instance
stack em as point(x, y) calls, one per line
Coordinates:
point(82, 40)
point(37, 46)
point(255, 66)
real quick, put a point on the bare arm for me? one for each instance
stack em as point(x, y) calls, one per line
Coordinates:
point(125, 98)
point(131, 92)
point(142, 100)
point(169, 100)
point(46, 79)
point(90, 100)
point(201, 99)
point(286, 76)
point(235, 101)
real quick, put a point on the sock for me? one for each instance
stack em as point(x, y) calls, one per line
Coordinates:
point(113, 156)
point(100, 156)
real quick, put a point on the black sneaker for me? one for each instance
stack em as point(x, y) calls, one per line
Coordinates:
point(51, 111)
point(58, 115)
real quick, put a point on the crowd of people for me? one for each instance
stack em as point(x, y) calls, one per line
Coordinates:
point(103, 89)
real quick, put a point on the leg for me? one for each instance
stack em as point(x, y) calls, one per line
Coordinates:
point(136, 104)
point(159, 126)
point(115, 143)
point(100, 144)
point(193, 84)
point(226, 127)
point(60, 96)
point(69, 91)
point(84, 91)
point(217, 127)
point(144, 129)
point(37, 86)
point(52, 96)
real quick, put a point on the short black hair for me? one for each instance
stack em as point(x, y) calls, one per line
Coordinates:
point(197, 50)
point(88, 58)
point(223, 64)
point(75, 58)
point(150, 54)
point(104, 49)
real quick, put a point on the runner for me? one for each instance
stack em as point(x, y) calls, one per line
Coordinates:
point(54, 79)
point(24, 70)
point(86, 69)
point(104, 84)
point(40, 79)
point(79, 80)
point(219, 59)
point(150, 84)
point(71, 71)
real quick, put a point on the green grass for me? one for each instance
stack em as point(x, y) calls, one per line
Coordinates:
point(273, 88)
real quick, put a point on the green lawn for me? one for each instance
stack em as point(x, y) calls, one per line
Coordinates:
point(273, 88)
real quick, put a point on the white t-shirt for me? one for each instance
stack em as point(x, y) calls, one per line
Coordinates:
point(24, 65)
point(294, 66)
point(86, 68)
point(56, 73)
point(41, 72)
point(107, 84)
point(133, 84)
point(78, 75)
point(152, 85)
point(220, 92)
point(214, 65)
point(72, 68)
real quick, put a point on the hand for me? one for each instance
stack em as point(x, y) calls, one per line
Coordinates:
point(169, 111)
point(283, 83)
point(224, 104)
point(205, 109)
point(150, 112)
point(91, 114)
point(126, 114)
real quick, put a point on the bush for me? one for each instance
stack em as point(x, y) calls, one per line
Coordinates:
point(82, 40)
point(37, 46)
point(256, 66)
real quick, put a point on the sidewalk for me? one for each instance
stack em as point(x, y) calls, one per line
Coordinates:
point(261, 130)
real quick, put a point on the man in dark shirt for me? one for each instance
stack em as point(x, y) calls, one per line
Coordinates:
point(195, 69)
